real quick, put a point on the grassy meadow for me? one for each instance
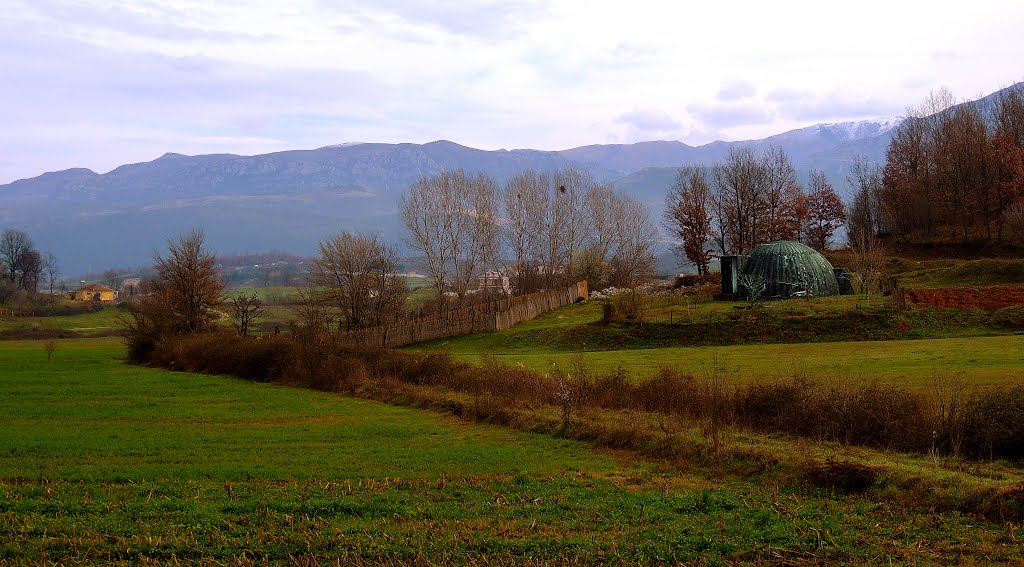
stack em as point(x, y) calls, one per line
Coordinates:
point(105, 462)
point(103, 320)
point(980, 361)
point(960, 348)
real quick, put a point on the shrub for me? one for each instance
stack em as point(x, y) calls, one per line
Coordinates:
point(670, 392)
point(1009, 317)
point(779, 406)
point(993, 423)
point(630, 304)
point(842, 475)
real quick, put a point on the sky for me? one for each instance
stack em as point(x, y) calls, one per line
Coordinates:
point(97, 84)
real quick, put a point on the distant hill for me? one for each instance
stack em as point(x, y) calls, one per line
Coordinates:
point(291, 200)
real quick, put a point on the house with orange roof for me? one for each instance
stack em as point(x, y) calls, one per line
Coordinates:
point(92, 292)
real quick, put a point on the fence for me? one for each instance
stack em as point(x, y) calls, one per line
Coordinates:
point(493, 316)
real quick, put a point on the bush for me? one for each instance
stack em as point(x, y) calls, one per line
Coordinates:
point(842, 475)
point(993, 424)
point(222, 352)
point(630, 304)
point(1009, 317)
point(780, 406)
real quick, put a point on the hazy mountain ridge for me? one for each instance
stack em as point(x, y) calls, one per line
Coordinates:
point(290, 200)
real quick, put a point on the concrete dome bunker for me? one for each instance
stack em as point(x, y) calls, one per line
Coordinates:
point(783, 270)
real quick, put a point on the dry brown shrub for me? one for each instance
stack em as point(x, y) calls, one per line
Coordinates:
point(842, 475)
point(993, 424)
point(998, 504)
point(671, 392)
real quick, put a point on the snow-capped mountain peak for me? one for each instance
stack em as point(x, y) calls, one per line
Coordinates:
point(859, 129)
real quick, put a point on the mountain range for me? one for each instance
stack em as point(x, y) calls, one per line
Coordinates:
point(291, 200)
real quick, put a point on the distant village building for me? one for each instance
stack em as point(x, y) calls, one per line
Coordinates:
point(494, 281)
point(92, 292)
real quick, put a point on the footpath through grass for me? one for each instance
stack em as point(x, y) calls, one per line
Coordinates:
point(103, 462)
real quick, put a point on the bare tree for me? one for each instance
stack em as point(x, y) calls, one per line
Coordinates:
point(550, 219)
point(31, 271)
point(752, 286)
point(49, 346)
point(312, 330)
point(604, 223)
point(527, 201)
point(358, 274)
point(179, 298)
point(568, 230)
point(111, 278)
point(779, 177)
point(189, 280)
point(963, 180)
point(741, 184)
point(632, 255)
point(16, 255)
point(1013, 221)
point(796, 213)
point(245, 310)
point(50, 269)
point(868, 259)
point(452, 220)
point(687, 216)
point(604, 208)
point(864, 216)
point(826, 212)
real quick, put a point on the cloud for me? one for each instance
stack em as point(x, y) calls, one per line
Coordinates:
point(488, 20)
point(834, 106)
point(655, 121)
point(716, 116)
point(787, 95)
point(94, 83)
point(736, 90)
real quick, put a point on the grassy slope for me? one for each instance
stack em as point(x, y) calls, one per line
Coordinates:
point(953, 273)
point(103, 462)
point(104, 320)
point(982, 361)
point(551, 338)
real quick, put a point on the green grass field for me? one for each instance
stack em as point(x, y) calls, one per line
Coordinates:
point(561, 336)
point(980, 361)
point(102, 462)
point(954, 273)
point(96, 321)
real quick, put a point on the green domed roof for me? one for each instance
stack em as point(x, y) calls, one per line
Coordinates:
point(791, 269)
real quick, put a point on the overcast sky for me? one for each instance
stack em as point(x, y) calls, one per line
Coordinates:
point(90, 83)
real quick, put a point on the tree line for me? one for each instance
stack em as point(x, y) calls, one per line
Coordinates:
point(538, 231)
point(544, 229)
point(22, 266)
point(541, 229)
point(953, 173)
point(746, 200)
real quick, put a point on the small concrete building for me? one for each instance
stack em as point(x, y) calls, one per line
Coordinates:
point(92, 292)
point(781, 270)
